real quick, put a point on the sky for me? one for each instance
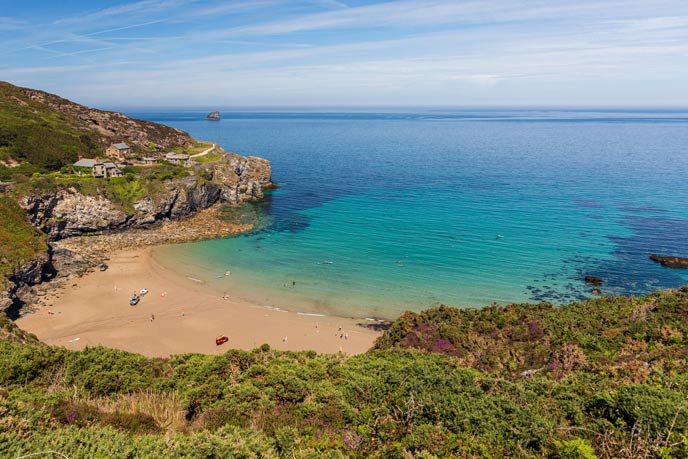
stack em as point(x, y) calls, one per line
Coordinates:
point(199, 53)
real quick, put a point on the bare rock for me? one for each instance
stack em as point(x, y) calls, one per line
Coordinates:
point(671, 262)
point(68, 213)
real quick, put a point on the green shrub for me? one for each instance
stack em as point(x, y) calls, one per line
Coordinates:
point(576, 448)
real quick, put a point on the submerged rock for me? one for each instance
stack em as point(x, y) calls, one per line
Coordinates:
point(671, 262)
point(593, 280)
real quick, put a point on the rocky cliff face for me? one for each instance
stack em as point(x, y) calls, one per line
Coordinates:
point(69, 213)
point(20, 289)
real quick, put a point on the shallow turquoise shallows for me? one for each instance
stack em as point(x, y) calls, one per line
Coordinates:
point(380, 211)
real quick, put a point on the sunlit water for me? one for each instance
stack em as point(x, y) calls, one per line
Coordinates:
point(378, 212)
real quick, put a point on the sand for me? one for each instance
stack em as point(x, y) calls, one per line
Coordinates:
point(178, 315)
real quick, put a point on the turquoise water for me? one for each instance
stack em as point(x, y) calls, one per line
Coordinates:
point(379, 212)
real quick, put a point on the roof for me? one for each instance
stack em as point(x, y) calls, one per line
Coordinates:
point(173, 155)
point(85, 162)
point(149, 159)
point(121, 146)
point(110, 166)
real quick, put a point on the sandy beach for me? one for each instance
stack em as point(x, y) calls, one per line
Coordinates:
point(178, 315)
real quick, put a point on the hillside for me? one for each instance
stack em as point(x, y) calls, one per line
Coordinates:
point(628, 338)
point(20, 243)
point(389, 403)
point(49, 132)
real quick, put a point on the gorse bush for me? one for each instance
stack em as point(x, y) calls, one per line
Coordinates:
point(392, 402)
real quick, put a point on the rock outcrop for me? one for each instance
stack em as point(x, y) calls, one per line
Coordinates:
point(20, 290)
point(69, 213)
point(671, 262)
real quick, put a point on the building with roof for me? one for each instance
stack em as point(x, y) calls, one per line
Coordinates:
point(179, 159)
point(118, 151)
point(112, 171)
point(99, 169)
point(149, 161)
point(85, 162)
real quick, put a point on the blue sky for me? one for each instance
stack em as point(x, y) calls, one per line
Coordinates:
point(349, 52)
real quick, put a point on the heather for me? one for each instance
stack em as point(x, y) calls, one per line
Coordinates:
point(604, 378)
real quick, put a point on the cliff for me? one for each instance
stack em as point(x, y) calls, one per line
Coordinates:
point(68, 211)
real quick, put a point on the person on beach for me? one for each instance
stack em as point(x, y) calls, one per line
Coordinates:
point(152, 317)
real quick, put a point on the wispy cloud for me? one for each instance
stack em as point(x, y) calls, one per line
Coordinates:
point(232, 7)
point(127, 27)
point(407, 13)
point(11, 24)
point(326, 51)
point(127, 9)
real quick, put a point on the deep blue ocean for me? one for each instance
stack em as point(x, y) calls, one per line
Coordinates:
point(380, 211)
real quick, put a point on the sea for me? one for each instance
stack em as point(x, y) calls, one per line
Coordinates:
point(379, 211)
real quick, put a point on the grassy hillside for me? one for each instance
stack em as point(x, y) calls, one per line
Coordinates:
point(389, 403)
point(19, 241)
point(43, 132)
point(31, 132)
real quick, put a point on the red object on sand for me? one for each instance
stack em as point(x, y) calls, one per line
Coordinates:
point(221, 340)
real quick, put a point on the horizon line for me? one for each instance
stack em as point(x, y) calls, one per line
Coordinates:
point(231, 108)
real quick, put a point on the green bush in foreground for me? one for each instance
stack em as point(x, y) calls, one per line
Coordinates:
point(389, 403)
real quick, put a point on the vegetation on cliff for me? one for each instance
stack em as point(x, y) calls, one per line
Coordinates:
point(136, 183)
point(429, 401)
point(19, 241)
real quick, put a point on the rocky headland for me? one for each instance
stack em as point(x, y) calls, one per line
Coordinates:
point(67, 222)
point(68, 212)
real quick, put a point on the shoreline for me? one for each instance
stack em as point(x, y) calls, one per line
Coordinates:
point(178, 315)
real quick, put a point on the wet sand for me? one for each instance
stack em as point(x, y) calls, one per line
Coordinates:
point(178, 315)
